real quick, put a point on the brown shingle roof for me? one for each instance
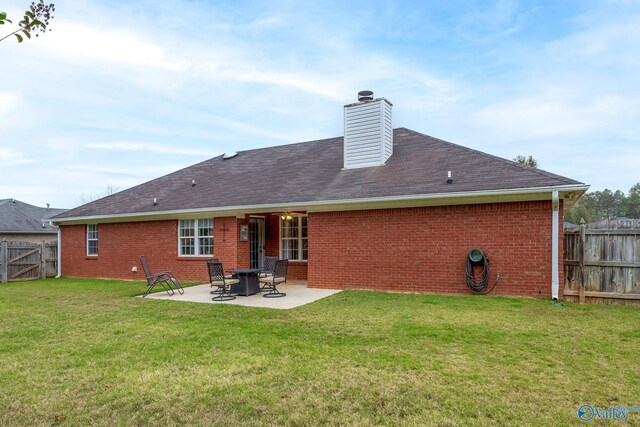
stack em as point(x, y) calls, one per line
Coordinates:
point(312, 171)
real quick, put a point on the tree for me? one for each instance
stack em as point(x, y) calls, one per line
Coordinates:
point(584, 208)
point(527, 161)
point(579, 212)
point(610, 204)
point(109, 190)
point(633, 202)
point(35, 20)
point(606, 204)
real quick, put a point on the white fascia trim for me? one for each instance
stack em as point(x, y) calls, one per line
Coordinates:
point(466, 197)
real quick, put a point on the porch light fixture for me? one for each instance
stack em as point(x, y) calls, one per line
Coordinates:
point(287, 215)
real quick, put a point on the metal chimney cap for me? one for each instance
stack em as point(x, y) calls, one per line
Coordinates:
point(365, 95)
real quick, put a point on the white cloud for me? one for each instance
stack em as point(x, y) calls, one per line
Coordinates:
point(298, 80)
point(257, 25)
point(137, 83)
point(149, 147)
point(9, 156)
point(8, 101)
point(253, 130)
point(491, 21)
point(581, 83)
point(603, 38)
point(555, 113)
point(120, 46)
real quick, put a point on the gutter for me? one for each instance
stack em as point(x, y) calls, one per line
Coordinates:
point(59, 275)
point(555, 204)
point(433, 199)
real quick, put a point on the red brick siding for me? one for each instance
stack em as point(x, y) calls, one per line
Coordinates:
point(242, 248)
point(121, 244)
point(413, 249)
point(272, 235)
point(226, 233)
point(297, 270)
point(425, 249)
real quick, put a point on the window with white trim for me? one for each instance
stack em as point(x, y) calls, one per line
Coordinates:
point(92, 239)
point(195, 237)
point(294, 241)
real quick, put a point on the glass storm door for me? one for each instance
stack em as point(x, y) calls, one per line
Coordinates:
point(256, 242)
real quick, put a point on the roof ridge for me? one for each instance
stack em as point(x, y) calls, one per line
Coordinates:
point(541, 172)
point(289, 144)
point(312, 141)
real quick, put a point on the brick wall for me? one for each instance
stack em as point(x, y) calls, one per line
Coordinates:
point(297, 270)
point(407, 250)
point(121, 244)
point(425, 249)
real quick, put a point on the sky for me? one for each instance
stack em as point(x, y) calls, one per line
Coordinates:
point(121, 92)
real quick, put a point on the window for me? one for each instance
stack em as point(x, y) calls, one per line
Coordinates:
point(195, 237)
point(294, 242)
point(92, 239)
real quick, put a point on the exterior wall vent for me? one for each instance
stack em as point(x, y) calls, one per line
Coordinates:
point(368, 132)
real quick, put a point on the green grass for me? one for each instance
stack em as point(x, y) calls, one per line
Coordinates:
point(83, 352)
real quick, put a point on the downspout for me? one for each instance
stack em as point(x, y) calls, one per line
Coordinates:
point(59, 253)
point(554, 245)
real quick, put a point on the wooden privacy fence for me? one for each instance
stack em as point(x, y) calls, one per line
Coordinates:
point(602, 266)
point(27, 261)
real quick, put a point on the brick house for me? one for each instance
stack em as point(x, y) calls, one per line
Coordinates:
point(380, 208)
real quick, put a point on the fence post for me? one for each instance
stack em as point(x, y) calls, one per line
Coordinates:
point(43, 260)
point(581, 250)
point(4, 271)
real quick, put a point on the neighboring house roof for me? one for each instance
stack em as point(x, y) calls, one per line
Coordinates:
point(23, 218)
point(311, 173)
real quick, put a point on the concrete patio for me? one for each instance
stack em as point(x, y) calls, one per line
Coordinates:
point(297, 294)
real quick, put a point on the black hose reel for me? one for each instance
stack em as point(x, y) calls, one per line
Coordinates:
point(478, 272)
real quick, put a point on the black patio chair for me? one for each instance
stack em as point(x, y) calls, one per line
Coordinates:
point(279, 277)
point(227, 275)
point(223, 283)
point(165, 279)
point(269, 266)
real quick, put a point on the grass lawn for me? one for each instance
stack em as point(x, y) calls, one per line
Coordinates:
point(83, 352)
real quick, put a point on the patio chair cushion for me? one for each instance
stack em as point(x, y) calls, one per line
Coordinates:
point(227, 282)
point(270, 279)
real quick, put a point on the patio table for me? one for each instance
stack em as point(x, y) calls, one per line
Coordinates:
point(249, 284)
